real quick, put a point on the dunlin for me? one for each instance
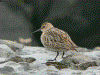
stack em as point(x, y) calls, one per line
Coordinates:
point(56, 40)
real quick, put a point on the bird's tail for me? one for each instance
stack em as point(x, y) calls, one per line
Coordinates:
point(73, 48)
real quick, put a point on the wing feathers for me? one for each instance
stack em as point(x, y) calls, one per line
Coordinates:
point(57, 39)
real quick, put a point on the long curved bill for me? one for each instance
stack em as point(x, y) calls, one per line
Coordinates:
point(36, 30)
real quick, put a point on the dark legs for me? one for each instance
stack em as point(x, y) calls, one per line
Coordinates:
point(55, 57)
point(63, 54)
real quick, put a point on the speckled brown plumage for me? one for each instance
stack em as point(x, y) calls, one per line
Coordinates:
point(56, 40)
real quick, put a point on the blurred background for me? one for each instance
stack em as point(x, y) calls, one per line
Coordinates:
point(79, 18)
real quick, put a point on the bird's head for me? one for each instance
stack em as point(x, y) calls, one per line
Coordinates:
point(44, 27)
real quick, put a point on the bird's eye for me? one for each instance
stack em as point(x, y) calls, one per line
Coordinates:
point(43, 27)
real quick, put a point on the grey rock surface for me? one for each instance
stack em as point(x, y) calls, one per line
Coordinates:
point(42, 55)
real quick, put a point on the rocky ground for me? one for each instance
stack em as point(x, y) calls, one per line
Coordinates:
point(28, 60)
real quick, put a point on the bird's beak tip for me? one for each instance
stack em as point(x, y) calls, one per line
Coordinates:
point(36, 30)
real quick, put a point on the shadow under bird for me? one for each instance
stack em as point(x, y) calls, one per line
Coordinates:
point(56, 40)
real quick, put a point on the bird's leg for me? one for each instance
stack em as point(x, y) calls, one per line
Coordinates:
point(63, 54)
point(55, 57)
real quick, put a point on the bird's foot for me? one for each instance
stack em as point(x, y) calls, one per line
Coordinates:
point(63, 57)
point(52, 60)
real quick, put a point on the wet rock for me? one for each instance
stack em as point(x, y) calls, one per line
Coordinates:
point(84, 66)
point(26, 66)
point(6, 70)
point(58, 65)
point(79, 61)
point(18, 59)
point(74, 63)
point(12, 44)
point(6, 53)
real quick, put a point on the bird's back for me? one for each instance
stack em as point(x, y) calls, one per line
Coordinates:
point(57, 39)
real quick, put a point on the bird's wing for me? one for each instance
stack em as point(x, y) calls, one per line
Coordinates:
point(66, 38)
point(57, 39)
point(51, 43)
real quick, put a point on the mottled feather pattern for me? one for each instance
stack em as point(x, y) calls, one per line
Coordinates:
point(54, 39)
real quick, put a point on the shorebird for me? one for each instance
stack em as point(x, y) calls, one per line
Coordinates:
point(56, 40)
